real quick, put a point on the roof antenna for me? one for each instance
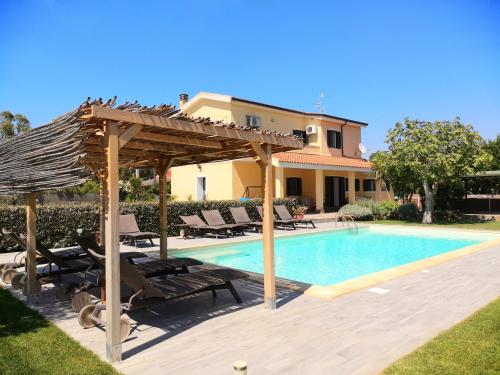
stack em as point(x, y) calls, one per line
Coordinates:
point(319, 104)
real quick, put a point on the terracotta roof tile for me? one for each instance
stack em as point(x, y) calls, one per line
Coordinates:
point(300, 158)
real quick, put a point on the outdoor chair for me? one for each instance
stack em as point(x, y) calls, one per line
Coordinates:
point(148, 266)
point(240, 216)
point(283, 214)
point(129, 230)
point(54, 266)
point(214, 218)
point(146, 292)
point(277, 222)
point(196, 226)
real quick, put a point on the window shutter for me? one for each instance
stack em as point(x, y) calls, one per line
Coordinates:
point(338, 139)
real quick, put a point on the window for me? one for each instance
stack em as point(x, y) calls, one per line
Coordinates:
point(293, 186)
point(369, 184)
point(346, 184)
point(334, 139)
point(253, 121)
point(302, 134)
point(356, 184)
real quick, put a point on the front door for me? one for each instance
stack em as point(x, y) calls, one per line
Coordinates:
point(334, 193)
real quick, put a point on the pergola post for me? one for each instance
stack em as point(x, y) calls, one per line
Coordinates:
point(103, 200)
point(161, 169)
point(268, 232)
point(112, 244)
point(31, 244)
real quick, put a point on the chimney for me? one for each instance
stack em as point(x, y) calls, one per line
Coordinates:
point(183, 99)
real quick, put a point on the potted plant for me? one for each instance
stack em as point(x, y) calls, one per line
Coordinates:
point(299, 212)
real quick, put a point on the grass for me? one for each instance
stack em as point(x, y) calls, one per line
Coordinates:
point(29, 344)
point(471, 347)
point(488, 225)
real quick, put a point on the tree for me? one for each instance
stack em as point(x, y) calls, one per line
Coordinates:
point(431, 154)
point(11, 125)
point(402, 179)
point(493, 147)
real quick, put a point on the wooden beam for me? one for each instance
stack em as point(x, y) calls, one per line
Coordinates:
point(259, 152)
point(164, 138)
point(103, 203)
point(162, 168)
point(268, 235)
point(105, 113)
point(31, 244)
point(129, 134)
point(113, 339)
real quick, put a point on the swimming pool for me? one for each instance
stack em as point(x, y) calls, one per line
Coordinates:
point(326, 258)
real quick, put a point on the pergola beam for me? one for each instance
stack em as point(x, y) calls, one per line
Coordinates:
point(129, 134)
point(104, 113)
point(164, 138)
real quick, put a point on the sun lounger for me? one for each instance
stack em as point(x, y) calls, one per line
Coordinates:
point(198, 227)
point(277, 222)
point(214, 218)
point(129, 230)
point(146, 292)
point(240, 216)
point(283, 214)
point(148, 266)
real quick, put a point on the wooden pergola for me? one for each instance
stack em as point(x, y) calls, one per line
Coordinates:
point(102, 137)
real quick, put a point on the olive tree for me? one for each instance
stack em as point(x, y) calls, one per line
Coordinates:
point(431, 154)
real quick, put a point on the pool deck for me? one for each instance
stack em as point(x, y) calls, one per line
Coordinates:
point(357, 333)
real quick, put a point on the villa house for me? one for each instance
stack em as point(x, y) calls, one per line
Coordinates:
point(326, 174)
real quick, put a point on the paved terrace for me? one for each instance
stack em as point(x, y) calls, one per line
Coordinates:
point(358, 333)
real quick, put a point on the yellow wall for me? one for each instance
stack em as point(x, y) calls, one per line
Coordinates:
point(246, 174)
point(219, 180)
point(216, 110)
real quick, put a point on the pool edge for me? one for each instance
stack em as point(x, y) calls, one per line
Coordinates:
point(330, 292)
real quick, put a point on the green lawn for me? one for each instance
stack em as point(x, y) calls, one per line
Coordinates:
point(491, 225)
point(471, 347)
point(29, 344)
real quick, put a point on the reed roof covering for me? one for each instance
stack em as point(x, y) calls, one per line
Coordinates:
point(64, 152)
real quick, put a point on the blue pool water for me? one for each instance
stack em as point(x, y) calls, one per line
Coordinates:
point(331, 257)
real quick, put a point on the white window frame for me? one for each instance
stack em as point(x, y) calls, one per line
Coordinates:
point(197, 187)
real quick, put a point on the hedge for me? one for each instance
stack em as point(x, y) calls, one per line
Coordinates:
point(57, 223)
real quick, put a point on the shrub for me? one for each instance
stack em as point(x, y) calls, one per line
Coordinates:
point(57, 223)
point(388, 210)
point(357, 212)
point(370, 204)
point(407, 212)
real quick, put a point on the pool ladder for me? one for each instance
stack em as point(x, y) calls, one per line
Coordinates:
point(349, 222)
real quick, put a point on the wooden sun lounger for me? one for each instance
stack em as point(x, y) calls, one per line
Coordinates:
point(148, 266)
point(283, 214)
point(197, 226)
point(129, 230)
point(159, 289)
point(214, 218)
point(240, 216)
point(277, 222)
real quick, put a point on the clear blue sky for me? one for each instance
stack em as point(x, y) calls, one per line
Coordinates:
point(376, 61)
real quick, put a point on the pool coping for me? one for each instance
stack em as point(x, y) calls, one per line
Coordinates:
point(329, 292)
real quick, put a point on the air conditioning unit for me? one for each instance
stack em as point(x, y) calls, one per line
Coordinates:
point(253, 121)
point(311, 129)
